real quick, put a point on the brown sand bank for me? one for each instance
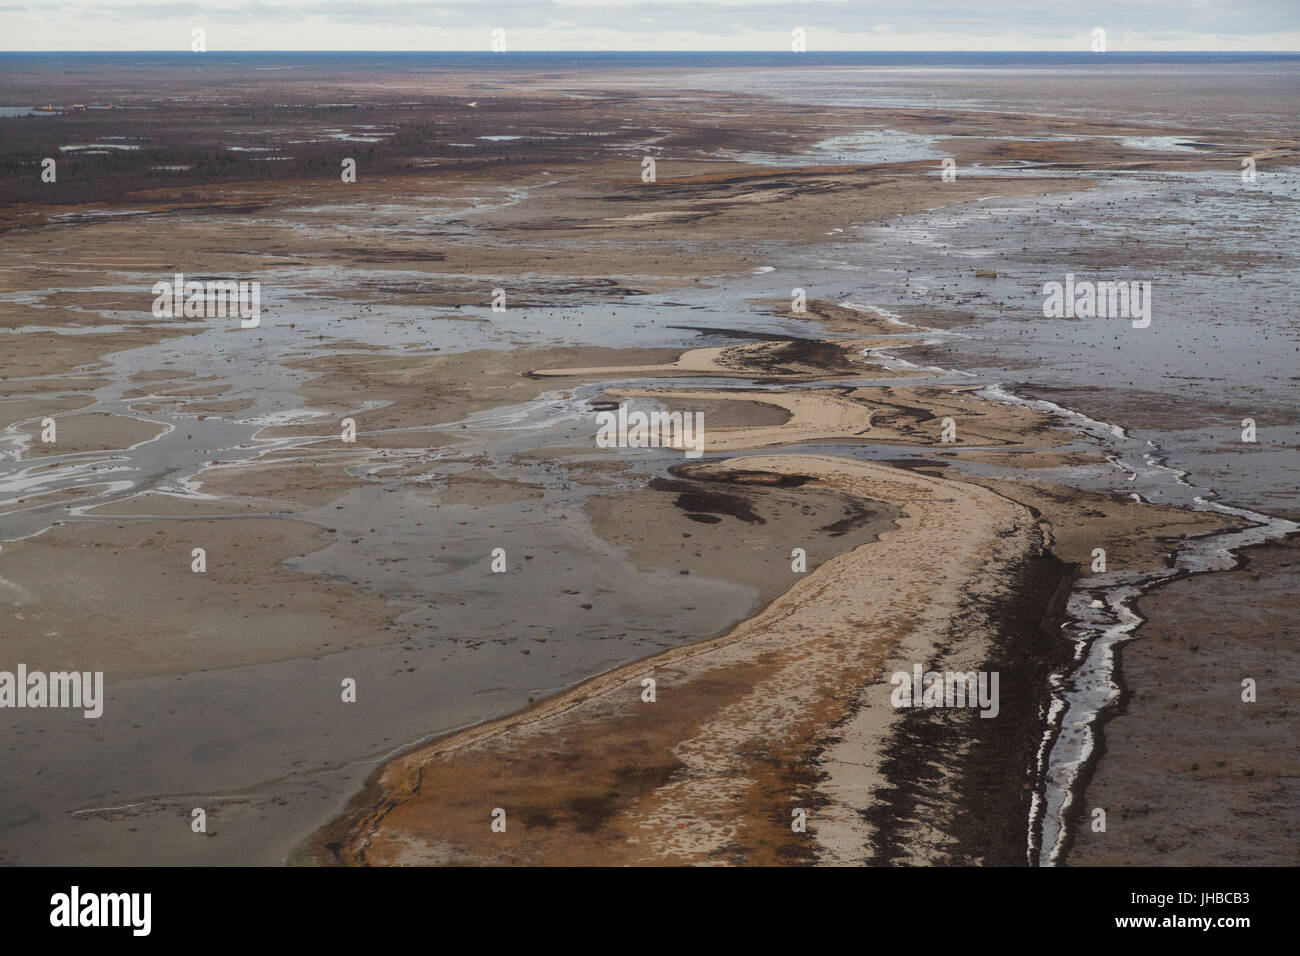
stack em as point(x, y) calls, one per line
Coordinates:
point(790, 708)
point(902, 414)
point(1136, 536)
point(768, 361)
point(712, 770)
point(91, 431)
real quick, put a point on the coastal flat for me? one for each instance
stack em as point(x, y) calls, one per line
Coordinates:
point(879, 388)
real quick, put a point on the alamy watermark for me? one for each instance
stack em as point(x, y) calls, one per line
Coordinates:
point(54, 689)
point(946, 689)
point(1104, 300)
point(216, 298)
point(75, 908)
point(624, 429)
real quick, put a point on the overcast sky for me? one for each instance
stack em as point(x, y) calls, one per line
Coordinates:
point(466, 25)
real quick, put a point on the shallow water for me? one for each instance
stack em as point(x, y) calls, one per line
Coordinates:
point(269, 749)
point(1192, 91)
point(1221, 345)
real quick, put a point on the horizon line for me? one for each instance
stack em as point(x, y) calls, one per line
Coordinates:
point(1088, 53)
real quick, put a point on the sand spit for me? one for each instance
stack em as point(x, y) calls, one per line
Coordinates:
point(770, 361)
point(779, 360)
point(472, 424)
point(904, 415)
point(789, 710)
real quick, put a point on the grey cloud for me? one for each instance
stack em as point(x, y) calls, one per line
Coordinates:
point(1012, 17)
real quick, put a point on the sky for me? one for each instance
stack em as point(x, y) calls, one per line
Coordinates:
point(533, 25)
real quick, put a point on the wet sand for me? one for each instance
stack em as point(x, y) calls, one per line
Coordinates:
point(1192, 774)
point(789, 710)
point(369, 558)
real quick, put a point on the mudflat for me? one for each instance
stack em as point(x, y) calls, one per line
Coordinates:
point(394, 481)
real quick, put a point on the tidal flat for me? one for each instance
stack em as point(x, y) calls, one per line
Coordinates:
point(904, 461)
